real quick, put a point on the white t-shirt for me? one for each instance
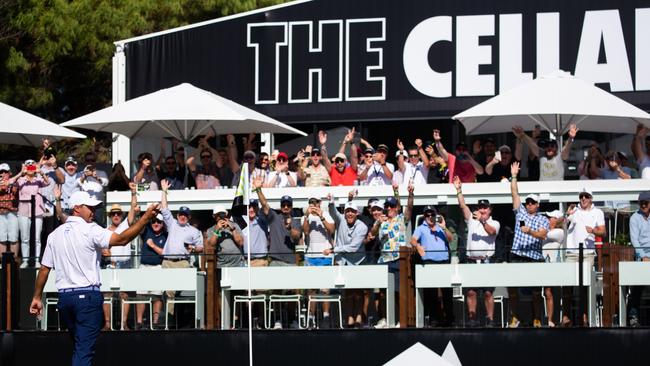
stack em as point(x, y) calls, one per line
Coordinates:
point(319, 238)
point(121, 253)
point(644, 167)
point(479, 243)
point(283, 180)
point(376, 175)
point(551, 169)
point(418, 173)
point(577, 233)
point(74, 250)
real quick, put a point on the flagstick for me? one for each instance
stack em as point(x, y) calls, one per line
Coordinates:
point(247, 197)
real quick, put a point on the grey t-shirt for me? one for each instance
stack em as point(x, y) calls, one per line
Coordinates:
point(229, 254)
point(281, 247)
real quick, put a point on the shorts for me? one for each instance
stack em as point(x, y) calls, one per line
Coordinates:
point(318, 261)
point(8, 227)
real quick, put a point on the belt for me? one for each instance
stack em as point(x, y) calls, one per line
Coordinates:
point(176, 259)
point(79, 289)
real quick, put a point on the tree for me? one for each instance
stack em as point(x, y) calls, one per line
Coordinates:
point(55, 55)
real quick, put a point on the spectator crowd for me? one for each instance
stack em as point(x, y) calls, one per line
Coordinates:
point(35, 198)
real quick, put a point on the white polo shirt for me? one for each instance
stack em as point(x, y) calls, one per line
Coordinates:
point(74, 250)
point(319, 238)
point(121, 253)
point(577, 233)
point(418, 173)
point(479, 243)
point(376, 175)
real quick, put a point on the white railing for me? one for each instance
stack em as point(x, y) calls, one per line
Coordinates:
point(436, 194)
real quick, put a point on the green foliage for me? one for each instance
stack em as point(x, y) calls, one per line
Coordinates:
point(622, 239)
point(56, 55)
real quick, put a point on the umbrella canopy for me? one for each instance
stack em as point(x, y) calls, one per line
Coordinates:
point(18, 127)
point(184, 112)
point(553, 102)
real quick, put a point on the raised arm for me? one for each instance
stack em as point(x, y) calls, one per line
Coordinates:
point(441, 149)
point(467, 214)
point(566, 150)
point(161, 156)
point(164, 185)
point(423, 155)
point(477, 167)
point(521, 135)
point(127, 235)
point(130, 217)
point(637, 142)
point(409, 203)
point(322, 139)
point(59, 210)
point(514, 189)
point(401, 164)
point(232, 153)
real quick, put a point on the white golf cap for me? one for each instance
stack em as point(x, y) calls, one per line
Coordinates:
point(377, 204)
point(5, 166)
point(587, 191)
point(533, 197)
point(218, 208)
point(83, 198)
point(159, 217)
point(351, 206)
point(555, 213)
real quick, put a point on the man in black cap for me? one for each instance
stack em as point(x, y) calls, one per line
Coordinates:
point(482, 233)
point(551, 165)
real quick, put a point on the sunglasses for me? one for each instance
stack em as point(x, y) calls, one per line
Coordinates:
point(282, 160)
point(156, 222)
point(530, 202)
point(265, 160)
point(4, 171)
point(249, 158)
point(413, 155)
point(91, 160)
point(286, 205)
point(315, 154)
point(428, 215)
point(313, 202)
point(584, 196)
point(339, 161)
point(115, 213)
point(368, 156)
point(389, 205)
point(206, 156)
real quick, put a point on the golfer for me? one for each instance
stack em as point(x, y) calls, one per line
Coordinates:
point(74, 250)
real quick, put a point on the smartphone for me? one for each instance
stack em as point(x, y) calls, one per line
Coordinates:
point(497, 155)
point(438, 218)
point(307, 154)
point(31, 168)
point(356, 138)
point(522, 223)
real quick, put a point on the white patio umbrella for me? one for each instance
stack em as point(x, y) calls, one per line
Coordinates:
point(553, 102)
point(18, 127)
point(184, 112)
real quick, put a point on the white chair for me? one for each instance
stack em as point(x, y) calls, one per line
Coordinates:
point(336, 299)
point(109, 301)
point(137, 300)
point(242, 299)
point(182, 299)
point(279, 299)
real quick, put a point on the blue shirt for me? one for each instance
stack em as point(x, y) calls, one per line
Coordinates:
point(434, 242)
point(526, 245)
point(150, 257)
point(640, 234)
point(257, 229)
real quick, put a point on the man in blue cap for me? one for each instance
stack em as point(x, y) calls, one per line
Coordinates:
point(640, 238)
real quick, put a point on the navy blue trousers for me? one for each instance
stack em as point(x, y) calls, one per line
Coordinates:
point(82, 312)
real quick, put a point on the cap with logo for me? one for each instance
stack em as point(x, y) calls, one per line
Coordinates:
point(286, 199)
point(644, 196)
point(483, 203)
point(351, 206)
point(81, 198)
point(70, 160)
point(376, 203)
point(430, 208)
point(503, 148)
point(587, 191)
point(533, 197)
point(390, 201)
point(184, 210)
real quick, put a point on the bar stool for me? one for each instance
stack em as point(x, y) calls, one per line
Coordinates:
point(241, 299)
point(137, 300)
point(326, 299)
point(279, 299)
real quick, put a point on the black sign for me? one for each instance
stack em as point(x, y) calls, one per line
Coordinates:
point(342, 60)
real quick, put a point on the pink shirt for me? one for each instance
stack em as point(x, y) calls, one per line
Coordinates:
point(26, 189)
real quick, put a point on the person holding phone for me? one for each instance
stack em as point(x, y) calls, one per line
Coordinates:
point(461, 163)
point(530, 232)
point(227, 239)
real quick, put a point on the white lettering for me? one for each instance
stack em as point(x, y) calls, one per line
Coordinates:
point(510, 53)
point(275, 61)
point(416, 57)
point(469, 55)
point(548, 43)
point(642, 49)
point(372, 82)
point(605, 25)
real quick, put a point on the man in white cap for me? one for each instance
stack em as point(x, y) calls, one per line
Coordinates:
point(349, 250)
point(530, 232)
point(74, 249)
point(8, 209)
point(227, 239)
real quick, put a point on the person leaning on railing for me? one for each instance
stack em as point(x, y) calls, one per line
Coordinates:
point(530, 231)
point(482, 231)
